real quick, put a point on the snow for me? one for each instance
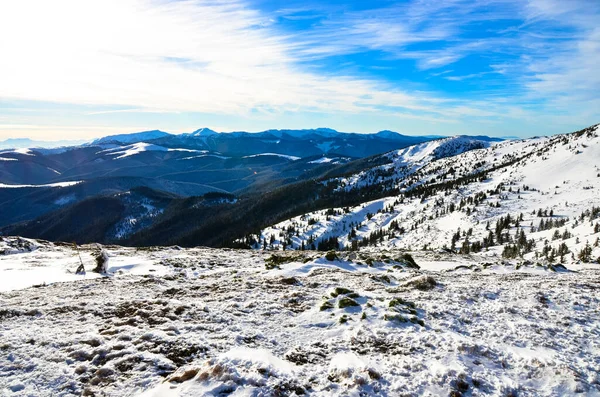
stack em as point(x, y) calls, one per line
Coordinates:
point(205, 155)
point(122, 152)
point(136, 148)
point(185, 150)
point(168, 321)
point(30, 266)
point(204, 132)
point(326, 146)
point(24, 151)
point(132, 138)
point(555, 173)
point(322, 160)
point(179, 322)
point(57, 184)
point(64, 200)
point(285, 156)
point(142, 212)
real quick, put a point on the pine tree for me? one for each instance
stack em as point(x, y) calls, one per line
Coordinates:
point(562, 251)
point(585, 255)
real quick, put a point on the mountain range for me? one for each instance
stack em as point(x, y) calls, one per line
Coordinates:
point(39, 180)
point(23, 143)
point(471, 264)
point(446, 193)
point(530, 199)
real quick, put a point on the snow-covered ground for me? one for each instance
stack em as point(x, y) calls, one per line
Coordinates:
point(208, 322)
point(122, 152)
point(559, 175)
point(57, 184)
point(285, 156)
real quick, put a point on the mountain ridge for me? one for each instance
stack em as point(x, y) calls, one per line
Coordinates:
point(450, 198)
point(390, 195)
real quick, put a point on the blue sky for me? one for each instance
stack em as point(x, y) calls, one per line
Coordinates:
point(82, 69)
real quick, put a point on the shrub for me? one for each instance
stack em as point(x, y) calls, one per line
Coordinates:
point(341, 291)
point(331, 256)
point(409, 261)
point(401, 302)
point(347, 302)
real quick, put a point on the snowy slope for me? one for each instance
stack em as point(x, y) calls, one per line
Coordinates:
point(441, 186)
point(57, 184)
point(407, 161)
point(121, 152)
point(293, 158)
point(194, 322)
point(132, 138)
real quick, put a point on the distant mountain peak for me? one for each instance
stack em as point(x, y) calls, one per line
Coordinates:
point(133, 137)
point(326, 130)
point(387, 134)
point(21, 143)
point(204, 132)
point(323, 132)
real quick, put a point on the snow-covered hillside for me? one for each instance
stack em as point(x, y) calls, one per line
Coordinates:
point(132, 138)
point(121, 152)
point(456, 193)
point(208, 322)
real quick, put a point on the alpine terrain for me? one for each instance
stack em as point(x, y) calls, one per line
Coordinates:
point(458, 266)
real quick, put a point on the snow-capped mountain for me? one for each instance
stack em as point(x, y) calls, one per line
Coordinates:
point(456, 267)
point(414, 197)
point(30, 165)
point(193, 163)
point(298, 143)
point(131, 138)
point(203, 132)
point(457, 193)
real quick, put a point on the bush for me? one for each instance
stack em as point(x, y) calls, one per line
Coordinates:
point(341, 291)
point(409, 261)
point(401, 302)
point(331, 256)
point(347, 302)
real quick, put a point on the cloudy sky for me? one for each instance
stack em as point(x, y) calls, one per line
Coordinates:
point(85, 68)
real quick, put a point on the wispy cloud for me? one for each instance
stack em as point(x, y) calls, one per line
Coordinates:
point(232, 58)
point(548, 48)
point(569, 71)
point(137, 53)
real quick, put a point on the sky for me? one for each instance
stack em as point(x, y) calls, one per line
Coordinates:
point(79, 69)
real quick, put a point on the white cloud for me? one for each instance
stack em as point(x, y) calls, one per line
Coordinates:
point(223, 57)
point(196, 56)
point(572, 62)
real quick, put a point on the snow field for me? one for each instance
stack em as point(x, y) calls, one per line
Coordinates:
point(559, 174)
point(188, 322)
